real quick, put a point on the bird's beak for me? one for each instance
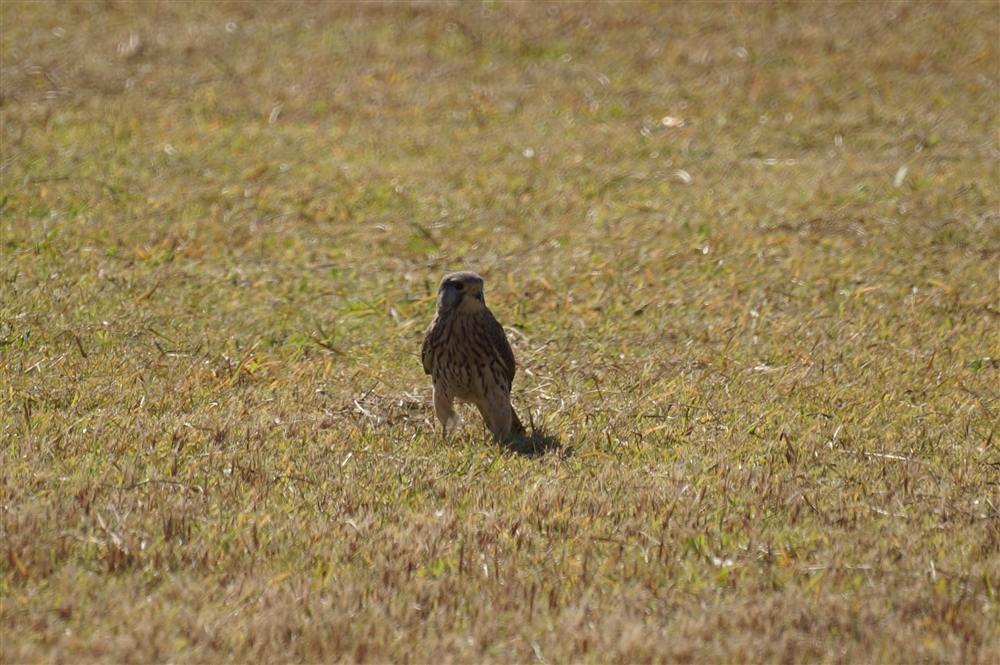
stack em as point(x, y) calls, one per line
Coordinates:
point(478, 295)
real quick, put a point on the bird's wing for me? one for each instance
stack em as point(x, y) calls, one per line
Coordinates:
point(426, 352)
point(498, 338)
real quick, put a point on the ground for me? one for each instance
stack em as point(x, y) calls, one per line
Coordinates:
point(747, 255)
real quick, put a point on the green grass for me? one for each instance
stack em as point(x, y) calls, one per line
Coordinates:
point(761, 359)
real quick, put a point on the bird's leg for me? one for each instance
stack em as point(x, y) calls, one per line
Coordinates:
point(516, 427)
point(496, 412)
point(445, 412)
point(488, 420)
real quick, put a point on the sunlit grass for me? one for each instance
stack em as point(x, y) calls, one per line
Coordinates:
point(760, 356)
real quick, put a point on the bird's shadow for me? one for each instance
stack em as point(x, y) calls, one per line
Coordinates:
point(536, 444)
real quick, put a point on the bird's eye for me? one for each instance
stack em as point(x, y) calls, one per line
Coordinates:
point(459, 286)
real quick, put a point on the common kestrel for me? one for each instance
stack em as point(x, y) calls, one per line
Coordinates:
point(468, 356)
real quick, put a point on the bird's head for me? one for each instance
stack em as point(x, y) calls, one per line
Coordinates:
point(461, 292)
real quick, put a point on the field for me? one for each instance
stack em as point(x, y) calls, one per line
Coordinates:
point(747, 255)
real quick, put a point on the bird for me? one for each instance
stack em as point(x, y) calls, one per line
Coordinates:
point(466, 353)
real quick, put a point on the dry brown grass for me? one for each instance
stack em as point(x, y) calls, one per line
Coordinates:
point(761, 358)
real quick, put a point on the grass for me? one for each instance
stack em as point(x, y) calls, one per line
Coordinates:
point(759, 343)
